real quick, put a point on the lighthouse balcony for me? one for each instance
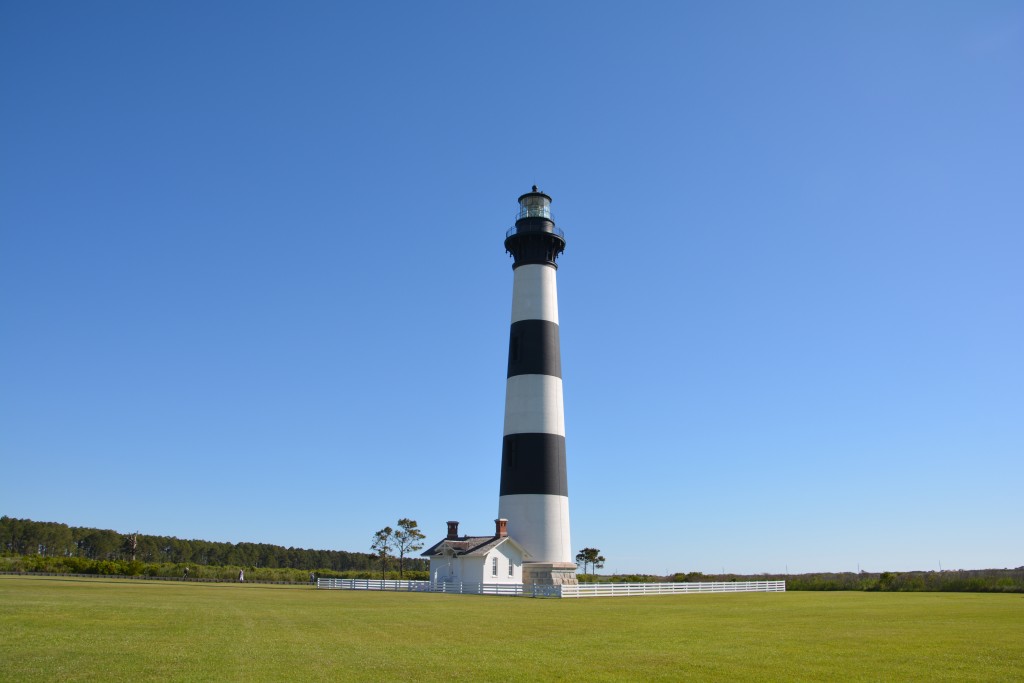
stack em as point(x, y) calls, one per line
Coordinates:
point(534, 228)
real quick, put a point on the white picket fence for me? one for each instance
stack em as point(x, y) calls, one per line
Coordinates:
point(583, 590)
point(594, 590)
point(373, 585)
point(421, 586)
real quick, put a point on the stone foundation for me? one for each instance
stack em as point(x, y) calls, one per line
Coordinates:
point(549, 573)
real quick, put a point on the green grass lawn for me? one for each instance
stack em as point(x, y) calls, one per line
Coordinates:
point(64, 629)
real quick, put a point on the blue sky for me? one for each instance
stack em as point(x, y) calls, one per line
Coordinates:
point(253, 288)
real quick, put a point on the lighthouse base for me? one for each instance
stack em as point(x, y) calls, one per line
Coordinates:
point(549, 573)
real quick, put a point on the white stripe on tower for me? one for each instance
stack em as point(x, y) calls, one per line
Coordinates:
point(534, 293)
point(534, 493)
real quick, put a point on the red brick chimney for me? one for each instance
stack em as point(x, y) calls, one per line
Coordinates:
point(453, 531)
point(501, 528)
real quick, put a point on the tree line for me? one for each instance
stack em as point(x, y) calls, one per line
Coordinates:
point(950, 580)
point(53, 539)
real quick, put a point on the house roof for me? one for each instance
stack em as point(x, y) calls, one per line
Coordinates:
point(471, 546)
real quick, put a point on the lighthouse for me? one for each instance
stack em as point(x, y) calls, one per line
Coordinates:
point(534, 495)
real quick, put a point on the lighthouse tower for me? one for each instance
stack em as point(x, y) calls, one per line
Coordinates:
point(534, 495)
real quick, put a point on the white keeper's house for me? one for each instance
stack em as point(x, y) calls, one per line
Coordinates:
point(477, 559)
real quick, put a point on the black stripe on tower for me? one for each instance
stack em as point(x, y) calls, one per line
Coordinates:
point(533, 463)
point(533, 349)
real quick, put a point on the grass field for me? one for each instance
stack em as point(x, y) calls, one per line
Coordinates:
point(64, 629)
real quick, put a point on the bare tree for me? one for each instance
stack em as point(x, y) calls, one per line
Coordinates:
point(131, 544)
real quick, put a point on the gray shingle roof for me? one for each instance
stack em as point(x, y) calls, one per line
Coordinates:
point(469, 546)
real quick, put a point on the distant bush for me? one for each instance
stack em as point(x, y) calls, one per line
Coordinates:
point(634, 578)
point(618, 578)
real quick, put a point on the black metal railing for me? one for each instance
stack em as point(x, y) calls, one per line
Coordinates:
point(548, 229)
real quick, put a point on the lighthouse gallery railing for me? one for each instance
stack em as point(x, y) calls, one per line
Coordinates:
point(513, 230)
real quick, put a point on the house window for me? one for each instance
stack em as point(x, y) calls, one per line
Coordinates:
point(511, 568)
point(494, 566)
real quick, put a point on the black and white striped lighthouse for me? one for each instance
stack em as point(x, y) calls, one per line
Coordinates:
point(534, 494)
